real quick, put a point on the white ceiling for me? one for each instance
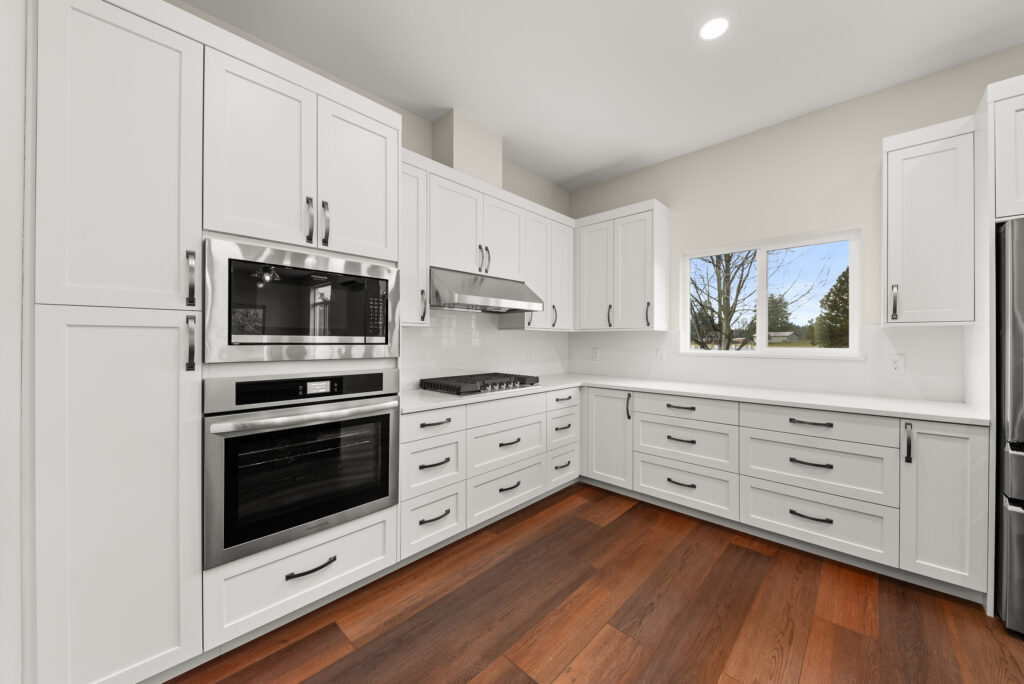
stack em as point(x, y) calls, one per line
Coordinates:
point(584, 90)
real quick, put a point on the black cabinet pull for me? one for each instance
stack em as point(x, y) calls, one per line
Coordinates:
point(435, 465)
point(190, 360)
point(684, 441)
point(427, 521)
point(681, 484)
point(190, 263)
point(480, 268)
point(423, 313)
point(827, 466)
point(564, 427)
point(517, 440)
point(796, 421)
point(564, 465)
point(554, 308)
point(609, 315)
point(647, 314)
point(487, 268)
point(509, 489)
point(296, 575)
point(311, 219)
point(440, 422)
point(681, 408)
point(327, 223)
point(895, 298)
point(629, 398)
point(909, 429)
point(798, 514)
point(563, 398)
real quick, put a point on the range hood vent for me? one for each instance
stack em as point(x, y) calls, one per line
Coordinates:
point(478, 292)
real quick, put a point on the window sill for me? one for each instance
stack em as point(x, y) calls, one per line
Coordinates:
point(845, 355)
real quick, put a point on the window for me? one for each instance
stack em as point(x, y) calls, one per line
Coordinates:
point(780, 299)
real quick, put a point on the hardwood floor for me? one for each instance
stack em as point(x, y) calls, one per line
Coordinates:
point(590, 586)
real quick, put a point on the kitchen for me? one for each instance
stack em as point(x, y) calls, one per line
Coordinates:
point(199, 278)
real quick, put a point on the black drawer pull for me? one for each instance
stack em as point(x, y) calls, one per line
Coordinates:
point(827, 466)
point(684, 441)
point(440, 422)
point(681, 484)
point(296, 575)
point(424, 466)
point(564, 465)
point(509, 489)
point(427, 521)
point(563, 398)
point(795, 421)
point(564, 427)
point(798, 514)
point(517, 440)
point(681, 408)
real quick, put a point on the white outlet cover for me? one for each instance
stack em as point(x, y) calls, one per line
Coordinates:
point(660, 356)
point(595, 353)
point(897, 364)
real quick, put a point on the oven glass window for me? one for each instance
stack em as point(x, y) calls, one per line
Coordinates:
point(271, 304)
point(277, 480)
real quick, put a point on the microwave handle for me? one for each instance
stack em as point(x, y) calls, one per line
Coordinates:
point(244, 425)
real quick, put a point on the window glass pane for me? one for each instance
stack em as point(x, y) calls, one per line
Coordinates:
point(723, 301)
point(809, 296)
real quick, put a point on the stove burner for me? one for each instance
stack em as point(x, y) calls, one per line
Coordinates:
point(482, 382)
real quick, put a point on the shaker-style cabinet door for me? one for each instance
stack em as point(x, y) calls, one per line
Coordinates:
point(414, 268)
point(504, 225)
point(119, 160)
point(609, 442)
point(456, 226)
point(536, 254)
point(594, 276)
point(1009, 150)
point(561, 278)
point(633, 271)
point(357, 182)
point(260, 154)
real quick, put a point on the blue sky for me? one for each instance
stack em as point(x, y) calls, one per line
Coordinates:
point(807, 273)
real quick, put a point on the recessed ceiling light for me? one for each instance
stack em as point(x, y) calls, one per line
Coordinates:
point(714, 28)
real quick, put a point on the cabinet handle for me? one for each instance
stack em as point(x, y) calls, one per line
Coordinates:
point(564, 427)
point(327, 222)
point(440, 422)
point(563, 398)
point(629, 398)
point(515, 441)
point(190, 362)
point(425, 466)
point(895, 299)
point(555, 309)
point(647, 314)
point(827, 466)
point(681, 408)
point(684, 441)
point(530, 321)
point(427, 521)
point(796, 421)
point(423, 314)
point(609, 315)
point(509, 489)
point(190, 261)
point(909, 429)
point(564, 465)
point(487, 268)
point(480, 267)
point(798, 514)
point(296, 575)
point(681, 484)
point(312, 222)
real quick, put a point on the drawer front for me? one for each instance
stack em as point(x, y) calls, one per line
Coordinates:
point(500, 444)
point(854, 527)
point(860, 471)
point(563, 399)
point(563, 465)
point(705, 489)
point(428, 464)
point(432, 518)
point(563, 427)
point(248, 593)
point(692, 408)
point(850, 427)
point(432, 423)
point(487, 412)
point(494, 493)
point(705, 444)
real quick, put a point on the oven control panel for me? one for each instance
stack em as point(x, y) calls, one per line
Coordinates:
point(294, 389)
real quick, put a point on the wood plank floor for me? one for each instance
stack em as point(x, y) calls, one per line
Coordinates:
point(590, 586)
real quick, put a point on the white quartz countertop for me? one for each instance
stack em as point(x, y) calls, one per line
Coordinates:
point(414, 400)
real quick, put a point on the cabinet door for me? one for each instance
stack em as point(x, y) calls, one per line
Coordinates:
point(560, 277)
point(413, 266)
point(504, 225)
point(594, 286)
point(118, 483)
point(357, 183)
point(609, 428)
point(944, 502)
point(119, 178)
point(930, 232)
point(536, 255)
point(1009, 135)
point(456, 222)
point(260, 154)
point(632, 271)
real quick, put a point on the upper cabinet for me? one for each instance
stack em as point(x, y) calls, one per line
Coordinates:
point(456, 220)
point(929, 225)
point(413, 255)
point(1009, 157)
point(536, 252)
point(560, 277)
point(502, 239)
point(119, 163)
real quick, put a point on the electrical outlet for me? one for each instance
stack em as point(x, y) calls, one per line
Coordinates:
point(595, 353)
point(897, 364)
point(660, 356)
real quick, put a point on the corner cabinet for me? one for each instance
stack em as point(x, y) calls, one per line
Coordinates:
point(414, 252)
point(929, 225)
point(548, 248)
point(609, 436)
point(1009, 157)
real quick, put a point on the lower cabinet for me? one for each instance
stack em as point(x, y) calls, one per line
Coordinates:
point(432, 518)
point(494, 493)
point(563, 465)
point(704, 489)
point(609, 436)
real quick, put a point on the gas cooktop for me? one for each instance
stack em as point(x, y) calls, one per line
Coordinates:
point(482, 382)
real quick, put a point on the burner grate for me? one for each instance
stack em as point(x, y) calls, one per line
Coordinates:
point(480, 382)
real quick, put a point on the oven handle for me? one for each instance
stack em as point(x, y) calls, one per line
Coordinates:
point(301, 419)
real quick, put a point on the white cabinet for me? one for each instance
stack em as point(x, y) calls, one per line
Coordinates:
point(547, 258)
point(929, 227)
point(944, 503)
point(609, 442)
point(632, 268)
point(1009, 157)
point(456, 220)
point(119, 175)
point(502, 239)
point(594, 276)
point(536, 262)
point(118, 481)
point(559, 300)
point(413, 257)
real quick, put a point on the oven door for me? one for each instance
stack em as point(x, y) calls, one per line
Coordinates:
point(273, 476)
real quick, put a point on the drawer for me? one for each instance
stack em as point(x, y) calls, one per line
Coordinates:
point(250, 592)
point(693, 441)
point(678, 406)
point(563, 427)
point(860, 471)
point(487, 412)
point(432, 423)
point(431, 518)
point(494, 493)
point(427, 464)
point(498, 445)
point(563, 465)
point(563, 398)
point(850, 427)
point(705, 489)
point(855, 527)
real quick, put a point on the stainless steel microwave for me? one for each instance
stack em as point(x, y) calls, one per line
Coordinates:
point(268, 304)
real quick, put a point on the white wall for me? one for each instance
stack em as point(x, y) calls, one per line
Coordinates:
point(525, 183)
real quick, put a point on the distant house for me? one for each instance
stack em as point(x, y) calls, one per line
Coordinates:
point(777, 337)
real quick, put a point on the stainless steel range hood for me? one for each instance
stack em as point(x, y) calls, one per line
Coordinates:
point(479, 292)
